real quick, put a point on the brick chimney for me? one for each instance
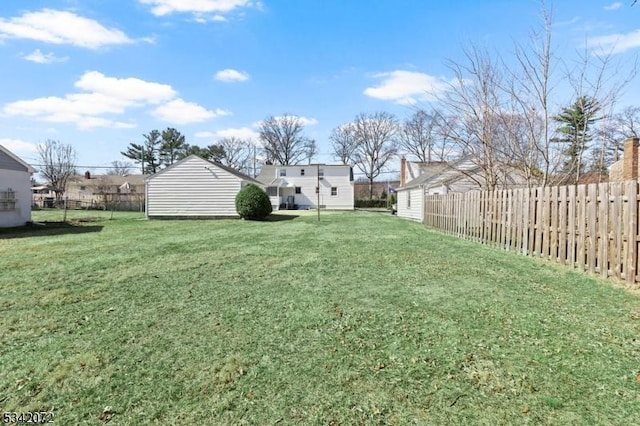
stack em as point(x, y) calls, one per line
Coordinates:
point(403, 171)
point(630, 159)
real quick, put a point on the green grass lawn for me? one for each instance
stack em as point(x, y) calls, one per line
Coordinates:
point(361, 318)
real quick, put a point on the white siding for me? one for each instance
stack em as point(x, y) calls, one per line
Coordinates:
point(193, 187)
point(334, 176)
point(416, 210)
point(20, 183)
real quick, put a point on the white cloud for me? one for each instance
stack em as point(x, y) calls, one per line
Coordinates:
point(614, 43)
point(19, 147)
point(244, 133)
point(43, 58)
point(179, 111)
point(230, 75)
point(407, 87)
point(61, 27)
point(125, 89)
point(308, 121)
point(204, 135)
point(102, 96)
point(613, 6)
point(196, 7)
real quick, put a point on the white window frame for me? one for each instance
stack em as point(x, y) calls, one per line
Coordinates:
point(8, 200)
point(334, 191)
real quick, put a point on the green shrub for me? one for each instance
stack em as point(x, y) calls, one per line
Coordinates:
point(253, 203)
point(368, 204)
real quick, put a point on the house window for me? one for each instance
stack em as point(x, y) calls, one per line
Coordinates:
point(272, 191)
point(83, 188)
point(334, 190)
point(317, 189)
point(408, 199)
point(8, 200)
point(283, 172)
point(321, 173)
point(301, 172)
point(298, 190)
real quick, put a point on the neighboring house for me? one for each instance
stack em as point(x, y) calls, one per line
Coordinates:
point(15, 189)
point(443, 178)
point(42, 196)
point(195, 188)
point(410, 195)
point(294, 187)
point(106, 191)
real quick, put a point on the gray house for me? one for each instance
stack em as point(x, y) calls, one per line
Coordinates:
point(194, 188)
point(15, 189)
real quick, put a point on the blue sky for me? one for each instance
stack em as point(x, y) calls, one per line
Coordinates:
point(98, 74)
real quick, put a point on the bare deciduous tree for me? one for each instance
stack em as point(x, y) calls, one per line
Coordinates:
point(236, 153)
point(597, 75)
point(418, 133)
point(376, 137)
point(283, 139)
point(475, 100)
point(530, 88)
point(58, 164)
point(615, 129)
point(311, 150)
point(120, 168)
point(344, 143)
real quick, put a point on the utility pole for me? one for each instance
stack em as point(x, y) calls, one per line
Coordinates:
point(318, 188)
point(254, 161)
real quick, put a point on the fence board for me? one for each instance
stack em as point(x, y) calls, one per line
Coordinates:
point(616, 233)
point(571, 224)
point(581, 200)
point(602, 257)
point(538, 224)
point(546, 207)
point(593, 228)
point(562, 222)
point(553, 235)
point(632, 232)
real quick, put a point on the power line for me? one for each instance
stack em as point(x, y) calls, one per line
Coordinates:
point(81, 167)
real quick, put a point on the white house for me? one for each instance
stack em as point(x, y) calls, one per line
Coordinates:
point(294, 187)
point(444, 178)
point(196, 188)
point(410, 195)
point(15, 189)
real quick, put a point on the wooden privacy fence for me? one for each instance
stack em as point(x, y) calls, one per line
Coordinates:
point(589, 227)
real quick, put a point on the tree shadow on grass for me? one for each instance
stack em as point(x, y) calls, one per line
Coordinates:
point(279, 217)
point(47, 229)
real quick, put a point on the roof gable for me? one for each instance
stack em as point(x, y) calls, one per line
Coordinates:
point(229, 170)
point(10, 161)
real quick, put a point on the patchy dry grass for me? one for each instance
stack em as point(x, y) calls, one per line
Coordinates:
point(359, 319)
